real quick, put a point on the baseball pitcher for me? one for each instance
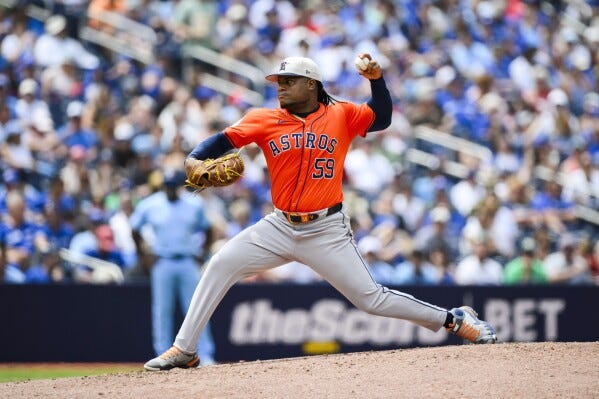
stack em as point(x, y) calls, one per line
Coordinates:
point(305, 143)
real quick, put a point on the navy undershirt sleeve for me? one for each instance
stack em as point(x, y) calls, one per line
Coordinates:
point(381, 104)
point(213, 147)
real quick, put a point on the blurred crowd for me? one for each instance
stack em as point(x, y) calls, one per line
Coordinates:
point(86, 133)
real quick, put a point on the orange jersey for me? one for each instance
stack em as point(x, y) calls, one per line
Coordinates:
point(305, 157)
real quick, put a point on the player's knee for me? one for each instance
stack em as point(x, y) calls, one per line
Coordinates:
point(368, 308)
point(367, 304)
point(224, 265)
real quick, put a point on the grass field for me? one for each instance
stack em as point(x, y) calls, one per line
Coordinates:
point(36, 371)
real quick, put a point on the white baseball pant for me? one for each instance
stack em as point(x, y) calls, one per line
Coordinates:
point(326, 245)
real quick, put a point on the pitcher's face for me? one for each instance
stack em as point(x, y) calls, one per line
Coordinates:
point(296, 93)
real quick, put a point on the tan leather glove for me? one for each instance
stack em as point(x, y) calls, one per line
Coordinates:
point(217, 172)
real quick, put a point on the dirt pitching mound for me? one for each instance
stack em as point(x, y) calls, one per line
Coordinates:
point(532, 370)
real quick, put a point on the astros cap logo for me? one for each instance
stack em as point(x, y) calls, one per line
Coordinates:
point(296, 66)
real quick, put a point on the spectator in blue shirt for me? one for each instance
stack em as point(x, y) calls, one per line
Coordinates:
point(416, 270)
point(381, 271)
point(14, 180)
point(106, 249)
point(555, 213)
point(90, 270)
point(63, 202)
point(59, 232)
point(439, 258)
point(49, 270)
point(22, 239)
point(74, 133)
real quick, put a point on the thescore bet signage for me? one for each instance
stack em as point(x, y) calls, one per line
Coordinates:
point(273, 321)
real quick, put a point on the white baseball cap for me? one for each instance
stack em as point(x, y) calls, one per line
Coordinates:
point(124, 131)
point(74, 109)
point(440, 214)
point(296, 66)
point(558, 97)
point(27, 86)
point(55, 24)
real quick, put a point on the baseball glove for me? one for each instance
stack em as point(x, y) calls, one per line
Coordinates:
point(217, 172)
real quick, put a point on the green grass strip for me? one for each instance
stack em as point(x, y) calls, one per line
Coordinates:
point(24, 373)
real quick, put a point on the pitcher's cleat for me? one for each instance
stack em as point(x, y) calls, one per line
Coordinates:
point(466, 325)
point(174, 357)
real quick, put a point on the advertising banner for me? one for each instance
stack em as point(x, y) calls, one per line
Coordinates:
point(84, 323)
point(280, 321)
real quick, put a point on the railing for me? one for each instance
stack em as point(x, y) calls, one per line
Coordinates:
point(454, 143)
point(126, 36)
point(108, 271)
point(484, 154)
point(228, 64)
point(120, 34)
point(228, 88)
point(32, 10)
point(431, 161)
point(446, 140)
point(587, 214)
point(581, 211)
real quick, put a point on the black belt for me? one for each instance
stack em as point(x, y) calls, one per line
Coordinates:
point(301, 218)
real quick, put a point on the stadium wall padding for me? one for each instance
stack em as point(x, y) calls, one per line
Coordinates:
point(95, 323)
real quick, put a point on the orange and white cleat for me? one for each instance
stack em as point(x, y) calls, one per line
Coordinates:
point(466, 325)
point(174, 357)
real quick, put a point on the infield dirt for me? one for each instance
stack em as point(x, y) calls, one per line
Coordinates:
point(511, 370)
